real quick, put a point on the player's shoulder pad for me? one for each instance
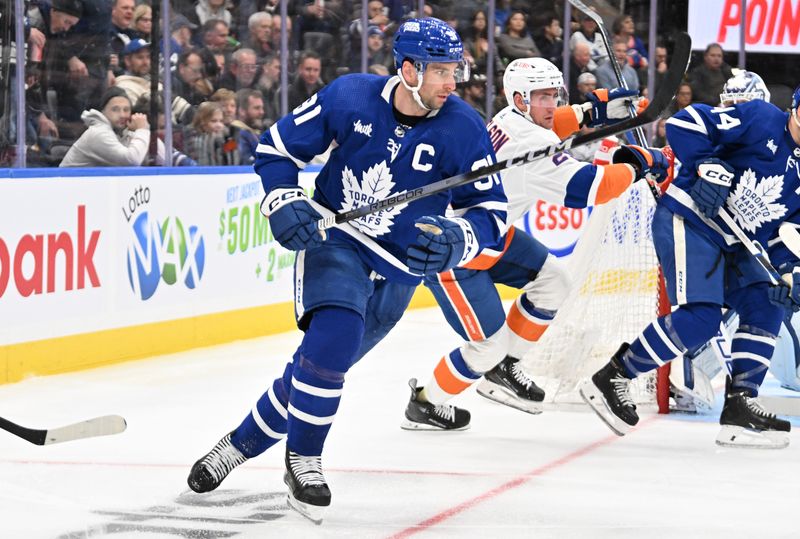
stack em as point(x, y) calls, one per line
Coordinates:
point(461, 115)
point(354, 91)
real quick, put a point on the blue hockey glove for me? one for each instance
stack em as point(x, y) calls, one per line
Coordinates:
point(711, 188)
point(292, 218)
point(610, 106)
point(786, 295)
point(442, 244)
point(648, 162)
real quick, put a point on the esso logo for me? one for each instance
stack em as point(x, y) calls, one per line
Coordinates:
point(556, 226)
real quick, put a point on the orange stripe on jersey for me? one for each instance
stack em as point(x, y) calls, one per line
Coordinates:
point(447, 380)
point(522, 326)
point(564, 122)
point(485, 261)
point(462, 307)
point(615, 179)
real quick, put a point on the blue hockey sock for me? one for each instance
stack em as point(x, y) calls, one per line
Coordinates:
point(751, 351)
point(670, 336)
point(265, 425)
point(329, 348)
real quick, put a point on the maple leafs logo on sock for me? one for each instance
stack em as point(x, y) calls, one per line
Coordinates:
point(754, 202)
point(376, 184)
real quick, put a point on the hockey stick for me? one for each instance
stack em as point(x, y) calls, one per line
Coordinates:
point(98, 426)
point(756, 250)
point(662, 99)
point(638, 133)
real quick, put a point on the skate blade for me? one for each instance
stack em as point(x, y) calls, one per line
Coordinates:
point(594, 398)
point(500, 394)
point(314, 513)
point(740, 437)
point(412, 425)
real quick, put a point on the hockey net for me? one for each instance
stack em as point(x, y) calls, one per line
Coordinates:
point(617, 290)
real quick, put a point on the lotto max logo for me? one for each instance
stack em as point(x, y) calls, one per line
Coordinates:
point(169, 253)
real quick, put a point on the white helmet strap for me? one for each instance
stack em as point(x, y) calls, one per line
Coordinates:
point(414, 89)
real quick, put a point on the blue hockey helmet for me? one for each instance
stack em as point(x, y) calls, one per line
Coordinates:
point(429, 40)
point(796, 98)
point(743, 86)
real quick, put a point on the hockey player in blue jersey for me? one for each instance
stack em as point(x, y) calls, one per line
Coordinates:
point(742, 158)
point(352, 283)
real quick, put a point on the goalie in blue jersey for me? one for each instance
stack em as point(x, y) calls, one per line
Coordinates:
point(744, 158)
point(352, 284)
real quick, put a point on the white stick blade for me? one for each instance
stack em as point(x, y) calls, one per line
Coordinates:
point(790, 237)
point(98, 426)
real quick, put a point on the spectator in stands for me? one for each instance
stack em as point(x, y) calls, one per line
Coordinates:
point(548, 40)
point(683, 98)
point(708, 78)
point(606, 78)
point(307, 82)
point(376, 51)
point(136, 79)
point(227, 100)
point(50, 20)
point(375, 17)
point(587, 83)
point(661, 64)
point(260, 34)
point(242, 71)
point(589, 33)
point(476, 45)
point(78, 66)
point(248, 124)
point(474, 93)
point(623, 29)
point(321, 16)
point(121, 32)
point(660, 135)
point(114, 138)
point(178, 159)
point(142, 21)
point(188, 79)
point(268, 83)
point(579, 64)
point(277, 23)
point(502, 12)
point(181, 35)
point(205, 140)
point(215, 36)
point(210, 10)
point(515, 41)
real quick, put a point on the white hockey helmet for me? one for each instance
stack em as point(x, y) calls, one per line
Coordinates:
point(743, 86)
point(525, 75)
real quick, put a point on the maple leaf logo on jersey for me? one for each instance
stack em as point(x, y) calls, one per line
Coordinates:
point(376, 184)
point(754, 202)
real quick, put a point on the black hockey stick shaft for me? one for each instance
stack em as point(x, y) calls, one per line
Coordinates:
point(34, 436)
point(97, 426)
point(660, 102)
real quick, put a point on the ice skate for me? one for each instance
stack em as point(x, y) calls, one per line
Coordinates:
point(507, 384)
point(309, 494)
point(208, 472)
point(745, 423)
point(607, 393)
point(426, 416)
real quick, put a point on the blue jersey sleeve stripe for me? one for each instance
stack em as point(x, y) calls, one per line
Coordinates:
point(281, 147)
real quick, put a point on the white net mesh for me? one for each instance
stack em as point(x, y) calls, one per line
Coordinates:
point(615, 295)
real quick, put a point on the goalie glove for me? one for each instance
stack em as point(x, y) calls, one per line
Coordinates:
point(292, 218)
point(649, 163)
point(441, 244)
point(710, 190)
point(606, 107)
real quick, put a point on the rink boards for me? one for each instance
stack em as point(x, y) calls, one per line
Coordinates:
point(105, 265)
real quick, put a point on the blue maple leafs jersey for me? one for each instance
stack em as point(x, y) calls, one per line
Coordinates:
point(754, 139)
point(374, 156)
